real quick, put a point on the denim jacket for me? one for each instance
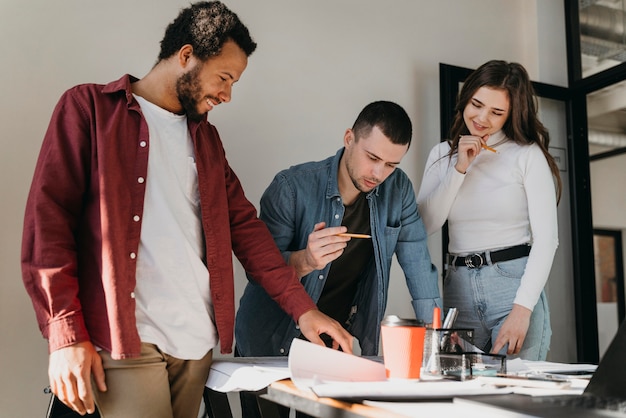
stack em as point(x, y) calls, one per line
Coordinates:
point(308, 193)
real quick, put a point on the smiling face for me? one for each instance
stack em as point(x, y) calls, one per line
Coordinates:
point(207, 84)
point(487, 111)
point(370, 160)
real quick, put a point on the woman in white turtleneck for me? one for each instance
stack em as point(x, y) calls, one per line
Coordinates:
point(494, 182)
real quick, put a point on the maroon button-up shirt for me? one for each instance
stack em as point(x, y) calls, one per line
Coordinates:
point(83, 223)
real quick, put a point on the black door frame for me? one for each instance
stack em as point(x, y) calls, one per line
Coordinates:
point(582, 223)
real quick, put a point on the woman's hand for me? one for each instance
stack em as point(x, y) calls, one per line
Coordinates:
point(468, 148)
point(513, 331)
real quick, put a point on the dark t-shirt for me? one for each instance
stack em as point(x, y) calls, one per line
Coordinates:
point(343, 278)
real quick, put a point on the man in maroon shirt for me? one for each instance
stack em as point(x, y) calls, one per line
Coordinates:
point(83, 235)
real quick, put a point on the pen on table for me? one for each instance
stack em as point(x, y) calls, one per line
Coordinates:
point(542, 378)
point(538, 383)
point(488, 148)
point(348, 234)
point(568, 374)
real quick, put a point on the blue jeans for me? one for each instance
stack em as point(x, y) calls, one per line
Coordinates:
point(484, 297)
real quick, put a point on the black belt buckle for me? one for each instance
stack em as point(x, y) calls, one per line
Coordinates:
point(474, 261)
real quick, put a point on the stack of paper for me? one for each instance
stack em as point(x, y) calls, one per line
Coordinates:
point(246, 373)
point(312, 364)
point(332, 373)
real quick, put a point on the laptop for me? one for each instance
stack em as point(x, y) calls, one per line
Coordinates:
point(608, 383)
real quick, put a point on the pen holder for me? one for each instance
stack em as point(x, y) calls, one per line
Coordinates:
point(444, 341)
point(466, 366)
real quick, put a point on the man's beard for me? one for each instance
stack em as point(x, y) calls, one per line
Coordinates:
point(356, 183)
point(354, 179)
point(360, 188)
point(188, 92)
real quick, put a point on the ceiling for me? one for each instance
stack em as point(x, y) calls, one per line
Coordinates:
point(603, 45)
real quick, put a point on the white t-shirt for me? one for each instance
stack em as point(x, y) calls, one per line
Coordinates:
point(504, 199)
point(174, 308)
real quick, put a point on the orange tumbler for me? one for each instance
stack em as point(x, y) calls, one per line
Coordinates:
point(403, 347)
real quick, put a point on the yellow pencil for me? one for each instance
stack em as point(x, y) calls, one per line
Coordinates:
point(488, 148)
point(347, 234)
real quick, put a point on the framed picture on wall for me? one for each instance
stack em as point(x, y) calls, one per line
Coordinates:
point(609, 265)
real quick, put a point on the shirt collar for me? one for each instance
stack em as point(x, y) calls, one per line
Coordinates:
point(124, 84)
point(495, 137)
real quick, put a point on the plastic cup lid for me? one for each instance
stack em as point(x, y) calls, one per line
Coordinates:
point(396, 321)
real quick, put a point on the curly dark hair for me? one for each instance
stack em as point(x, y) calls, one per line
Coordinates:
point(389, 117)
point(205, 25)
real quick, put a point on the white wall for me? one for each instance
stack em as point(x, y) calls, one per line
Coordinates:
point(608, 198)
point(608, 192)
point(318, 63)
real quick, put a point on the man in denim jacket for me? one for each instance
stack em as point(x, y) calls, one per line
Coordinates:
point(359, 190)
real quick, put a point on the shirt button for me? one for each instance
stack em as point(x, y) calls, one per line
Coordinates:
point(132, 295)
point(143, 144)
point(282, 351)
point(133, 256)
point(297, 326)
point(136, 218)
point(140, 180)
point(321, 277)
point(336, 216)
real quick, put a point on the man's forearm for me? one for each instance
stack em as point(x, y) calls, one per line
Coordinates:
point(298, 261)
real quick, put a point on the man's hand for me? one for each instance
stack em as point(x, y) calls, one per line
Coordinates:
point(70, 373)
point(323, 246)
point(313, 323)
point(513, 331)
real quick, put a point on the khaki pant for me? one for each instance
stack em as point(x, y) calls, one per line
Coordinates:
point(154, 385)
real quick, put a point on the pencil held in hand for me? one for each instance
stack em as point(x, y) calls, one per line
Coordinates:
point(347, 234)
point(488, 148)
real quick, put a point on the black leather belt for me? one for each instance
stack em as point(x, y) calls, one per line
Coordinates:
point(478, 260)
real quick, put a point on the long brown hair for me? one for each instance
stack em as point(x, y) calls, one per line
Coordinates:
point(522, 126)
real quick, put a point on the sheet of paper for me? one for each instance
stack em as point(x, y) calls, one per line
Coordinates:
point(312, 364)
point(547, 369)
point(519, 366)
point(547, 392)
point(246, 373)
point(442, 409)
point(399, 390)
point(517, 381)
